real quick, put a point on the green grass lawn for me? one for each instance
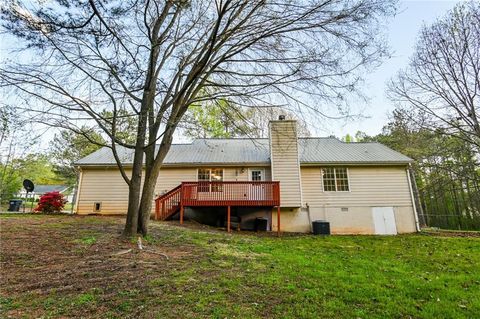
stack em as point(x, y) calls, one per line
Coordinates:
point(212, 274)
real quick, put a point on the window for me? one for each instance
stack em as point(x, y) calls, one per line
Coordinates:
point(335, 179)
point(329, 179)
point(216, 175)
point(203, 176)
point(256, 175)
point(210, 175)
point(341, 177)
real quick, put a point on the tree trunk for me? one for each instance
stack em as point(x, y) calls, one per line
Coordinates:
point(145, 208)
point(134, 188)
point(133, 203)
point(148, 186)
point(150, 182)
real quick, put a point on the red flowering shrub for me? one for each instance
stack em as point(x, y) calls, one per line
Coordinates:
point(52, 202)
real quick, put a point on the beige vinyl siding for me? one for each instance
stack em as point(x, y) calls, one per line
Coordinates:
point(172, 177)
point(105, 186)
point(240, 174)
point(351, 212)
point(369, 186)
point(285, 165)
point(231, 174)
point(108, 187)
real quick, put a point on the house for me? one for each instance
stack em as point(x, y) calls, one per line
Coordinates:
point(42, 189)
point(359, 188)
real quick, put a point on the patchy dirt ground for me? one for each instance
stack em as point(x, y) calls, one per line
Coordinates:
point(78, 259)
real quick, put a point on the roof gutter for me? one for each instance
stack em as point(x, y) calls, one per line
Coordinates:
point(253, 164)
point(392, 163)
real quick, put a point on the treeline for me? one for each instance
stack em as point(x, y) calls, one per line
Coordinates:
point(446, 171)
point(52, 166)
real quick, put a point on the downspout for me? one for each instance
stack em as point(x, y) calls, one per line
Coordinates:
point(77, 191)
point(417, 224)
point(309, 217)
point(271, 170)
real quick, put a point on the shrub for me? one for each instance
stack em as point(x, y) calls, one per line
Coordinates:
point(52, 202)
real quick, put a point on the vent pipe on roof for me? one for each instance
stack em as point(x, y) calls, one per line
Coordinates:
point(281, 117)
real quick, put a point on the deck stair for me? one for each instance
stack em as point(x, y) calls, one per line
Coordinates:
point(168, 204)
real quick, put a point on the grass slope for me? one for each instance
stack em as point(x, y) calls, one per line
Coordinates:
point(62, 266)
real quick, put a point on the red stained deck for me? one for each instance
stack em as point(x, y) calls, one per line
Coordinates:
point(227, 194)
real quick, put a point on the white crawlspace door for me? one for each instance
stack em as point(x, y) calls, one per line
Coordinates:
point(256, 191)
point(384, 221)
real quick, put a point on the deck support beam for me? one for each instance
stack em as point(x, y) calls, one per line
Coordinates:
point(278, 220)
point(228, 218)
point(181, 214)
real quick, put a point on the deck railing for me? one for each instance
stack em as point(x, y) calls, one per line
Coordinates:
point(167, 204)
point(252, 193)
point(217, 194)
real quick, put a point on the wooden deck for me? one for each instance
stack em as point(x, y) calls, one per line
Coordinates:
point(210, 194)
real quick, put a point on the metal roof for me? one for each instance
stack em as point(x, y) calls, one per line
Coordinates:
point(233, 151)
point(332, 150)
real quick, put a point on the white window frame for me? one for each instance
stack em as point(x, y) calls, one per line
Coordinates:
point(335, 180)
point(210, 175)
point(250, 170)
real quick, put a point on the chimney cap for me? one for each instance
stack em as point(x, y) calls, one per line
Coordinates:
point(281, 117)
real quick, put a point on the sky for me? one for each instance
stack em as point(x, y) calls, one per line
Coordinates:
point(402, 33)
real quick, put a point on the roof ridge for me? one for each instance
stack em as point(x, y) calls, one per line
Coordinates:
point(266, 138)
point(231, 138)
point(319, 138)
point(362, 142)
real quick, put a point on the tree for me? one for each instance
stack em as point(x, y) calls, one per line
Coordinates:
point(442, 83)
point(67, 147)
point(153, 59)
point(36, 167)
point(17, 137)
point(224, 120)
point(217, 119)
point(125, 127)
point(362, 137)
point(348, 138)
point(262, 116)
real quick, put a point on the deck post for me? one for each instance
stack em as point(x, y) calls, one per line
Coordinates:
point(181, 214)
point(278, 220)
point(228, 218)
point(163, 209)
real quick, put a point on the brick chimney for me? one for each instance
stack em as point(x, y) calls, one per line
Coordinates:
point(284, 160)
